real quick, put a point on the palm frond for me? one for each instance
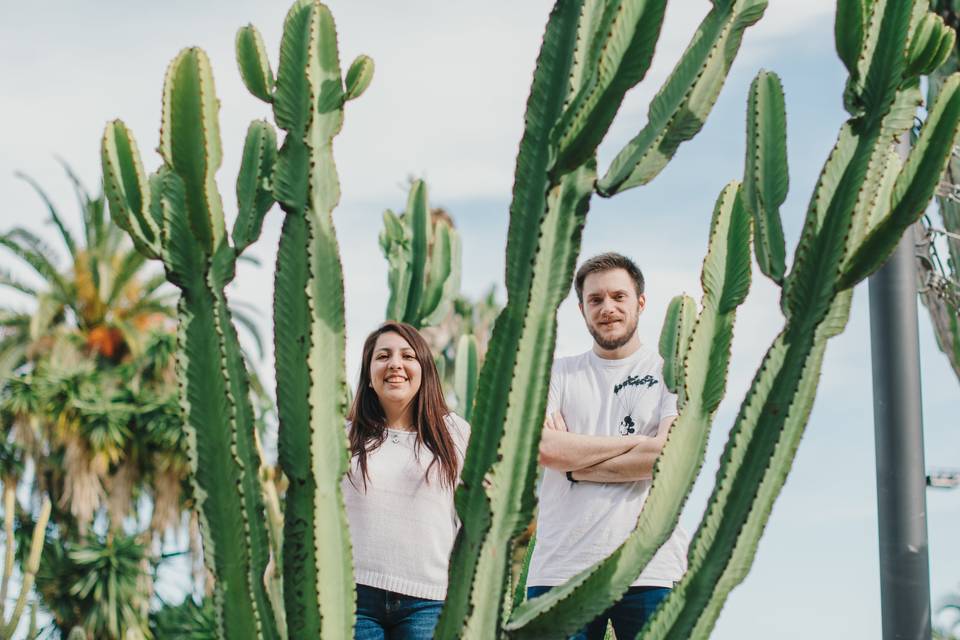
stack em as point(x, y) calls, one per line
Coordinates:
point(153, 283)
point(35, 253)
point(91, 225)
point(132, 262)
point(7, 279)
point(54, 214)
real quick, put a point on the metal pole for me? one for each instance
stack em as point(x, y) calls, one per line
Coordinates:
point(898, 428)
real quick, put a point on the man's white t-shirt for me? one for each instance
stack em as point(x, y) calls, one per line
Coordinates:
point(581, 524)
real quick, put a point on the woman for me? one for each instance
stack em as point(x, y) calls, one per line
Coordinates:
point(407, 453)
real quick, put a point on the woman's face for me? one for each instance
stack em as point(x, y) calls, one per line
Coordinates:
point(394, 370)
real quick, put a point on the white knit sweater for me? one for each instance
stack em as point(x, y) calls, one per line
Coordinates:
point(403, 526)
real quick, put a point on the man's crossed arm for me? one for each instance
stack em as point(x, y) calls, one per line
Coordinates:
point(600, 458)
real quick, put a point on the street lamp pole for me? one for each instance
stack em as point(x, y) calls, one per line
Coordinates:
point(898, 428)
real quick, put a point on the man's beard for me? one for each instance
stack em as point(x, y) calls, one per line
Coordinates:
point(609, 344)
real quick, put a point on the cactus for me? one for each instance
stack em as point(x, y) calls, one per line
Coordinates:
point(423, 254)
point(176, 215)
point(864, 200)
point(309, 328)
point(592, 54)
point(939, 283)
point(466, 375)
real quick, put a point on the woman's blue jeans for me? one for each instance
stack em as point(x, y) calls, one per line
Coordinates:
point(385, 615)
point(628, 616)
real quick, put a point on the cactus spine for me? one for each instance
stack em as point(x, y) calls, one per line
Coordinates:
point(592, 54)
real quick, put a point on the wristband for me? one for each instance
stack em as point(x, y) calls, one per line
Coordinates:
point(571, 478)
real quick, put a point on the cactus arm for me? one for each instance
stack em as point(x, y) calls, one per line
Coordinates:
point(127, 189)
point(520, 590)
point(254, 197)
point(753, 467)
point(914, 186)
point(359, 76)
point(772, 418)
point(190, 142)
point(309, 330)
point(848, 31)
point(439, 270)
point(726, 281)
point(451, 282)
point(465, 375)
point(766, 178)
point(544, 107)
point(418, 218)
point(674, 340)
point(680, 108)
point(254, 64)
point(616, 56)
point(395, 244)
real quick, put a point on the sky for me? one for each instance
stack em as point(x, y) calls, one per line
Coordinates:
point(446, 104)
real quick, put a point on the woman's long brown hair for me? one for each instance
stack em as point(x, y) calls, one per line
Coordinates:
point(368, 428)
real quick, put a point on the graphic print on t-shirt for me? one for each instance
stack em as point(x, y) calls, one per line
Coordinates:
point(627, 393)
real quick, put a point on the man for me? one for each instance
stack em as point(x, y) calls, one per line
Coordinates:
point(608, 414)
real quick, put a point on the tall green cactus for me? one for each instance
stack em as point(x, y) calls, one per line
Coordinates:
point(423, 257)
point(309, 325)
point(593, 52)
point(176, 215)
point(863, 201)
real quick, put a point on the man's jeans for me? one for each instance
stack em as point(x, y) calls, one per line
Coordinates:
point(627, 616)
point(383, 615)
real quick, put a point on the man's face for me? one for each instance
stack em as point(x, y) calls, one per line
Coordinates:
point(611, 307)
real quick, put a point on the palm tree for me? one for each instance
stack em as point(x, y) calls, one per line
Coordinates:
point(88, 395)
point(89, 371)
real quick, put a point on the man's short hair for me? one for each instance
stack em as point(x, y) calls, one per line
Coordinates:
point(607, 262)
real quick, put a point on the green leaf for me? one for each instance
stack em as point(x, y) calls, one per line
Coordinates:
point(766, 176)
point(54, 214)
point(254, 63)
point(680, 108)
